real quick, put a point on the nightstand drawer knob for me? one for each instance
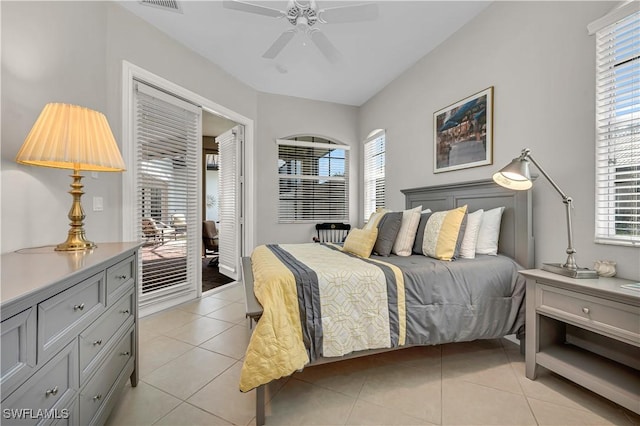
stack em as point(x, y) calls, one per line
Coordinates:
point(79, 307)
point(586, 310)
point(121, 277)
point(97, 342)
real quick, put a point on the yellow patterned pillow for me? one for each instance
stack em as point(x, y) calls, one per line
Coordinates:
point(361, 241)
point(375, 218)
point(444, 232)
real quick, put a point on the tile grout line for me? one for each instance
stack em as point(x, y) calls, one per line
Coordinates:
point(515, 373)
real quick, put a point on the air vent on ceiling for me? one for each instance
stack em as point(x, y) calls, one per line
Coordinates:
point(171, 5)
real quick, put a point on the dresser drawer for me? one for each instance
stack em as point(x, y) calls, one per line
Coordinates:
point(18, 347)
point(97, 389)
point(120, 277)
point(596, 314)
point(48, 393)
point(63, 316)
point(97, 337)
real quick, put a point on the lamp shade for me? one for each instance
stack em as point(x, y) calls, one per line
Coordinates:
point(71, 137)
point(515, 175)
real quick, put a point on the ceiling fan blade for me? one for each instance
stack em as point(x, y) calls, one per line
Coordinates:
point(355, 13)
point(326, 47)
point(252, 8)
point(279, 44)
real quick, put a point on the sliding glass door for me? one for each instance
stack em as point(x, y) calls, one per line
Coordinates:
point(167, 131)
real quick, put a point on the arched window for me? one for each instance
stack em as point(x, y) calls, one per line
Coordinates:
point(313, 180)
point(374, 172)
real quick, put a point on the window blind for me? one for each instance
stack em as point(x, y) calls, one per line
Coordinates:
point(313, 181)
point(229, 146)
point(374, 173)
point(166, 132)
point(618, 132)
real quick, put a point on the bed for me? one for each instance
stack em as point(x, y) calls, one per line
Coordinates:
point(470, 299)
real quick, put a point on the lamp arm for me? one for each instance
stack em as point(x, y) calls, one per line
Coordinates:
point(568, 201)
point(526, 154)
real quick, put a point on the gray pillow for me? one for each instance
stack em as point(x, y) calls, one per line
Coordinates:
point(463, 227)
point(417, 243)
point(388, 229)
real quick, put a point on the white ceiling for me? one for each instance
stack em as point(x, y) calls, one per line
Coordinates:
point(373, 53)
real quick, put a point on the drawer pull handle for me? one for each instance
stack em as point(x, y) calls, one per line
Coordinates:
point(586, 310)
point(97, 342)
point(127, 353)
point(121, 277)
point(98, 397)
point(78, 307)
point(50, 392)
point(126, 311)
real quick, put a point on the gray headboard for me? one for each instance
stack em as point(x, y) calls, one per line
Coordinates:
point(516, 230)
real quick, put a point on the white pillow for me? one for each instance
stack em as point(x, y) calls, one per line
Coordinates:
point(489, 232)
point(468, 246)
point(407, 233)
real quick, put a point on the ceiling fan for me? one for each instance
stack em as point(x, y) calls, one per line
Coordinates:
point(303, 16)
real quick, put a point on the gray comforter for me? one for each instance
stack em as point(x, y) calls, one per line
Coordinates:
point(468, 299)
point(464, 300)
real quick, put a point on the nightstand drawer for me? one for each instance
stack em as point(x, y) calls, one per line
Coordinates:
point(63, 316)
point(120, 277)
point(599, 315)
point(97, 337)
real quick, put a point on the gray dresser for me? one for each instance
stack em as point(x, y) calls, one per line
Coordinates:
point(69, 333)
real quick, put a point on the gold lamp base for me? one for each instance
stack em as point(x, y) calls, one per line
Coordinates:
point(76, 239)
point(73, 244)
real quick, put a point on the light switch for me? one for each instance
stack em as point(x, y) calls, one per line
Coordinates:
point(94, 175)
point(97, 204)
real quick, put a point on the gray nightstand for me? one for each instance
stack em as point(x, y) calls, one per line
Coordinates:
point(587, 330)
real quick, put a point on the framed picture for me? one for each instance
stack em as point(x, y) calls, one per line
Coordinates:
point(463, 133)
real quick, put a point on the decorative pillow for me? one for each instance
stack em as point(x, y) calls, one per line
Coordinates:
point(489, 233)
point(375, 218)
point(360, 241)
point(388, 228)
point(443, 233)
point(468, 246)
point(417, 244)
point(407, 234)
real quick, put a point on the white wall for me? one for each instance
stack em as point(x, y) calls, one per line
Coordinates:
point(540, 60)
point(280, 117)
point(72, 52)
point(51, 52)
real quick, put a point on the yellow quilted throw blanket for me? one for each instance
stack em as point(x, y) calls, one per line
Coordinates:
point(276, 348)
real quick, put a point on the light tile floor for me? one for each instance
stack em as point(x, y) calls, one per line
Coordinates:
point(191, 356)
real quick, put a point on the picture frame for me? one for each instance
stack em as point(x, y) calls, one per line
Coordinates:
point(463, 133)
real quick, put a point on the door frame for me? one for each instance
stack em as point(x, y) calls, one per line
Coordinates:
point(247, 182)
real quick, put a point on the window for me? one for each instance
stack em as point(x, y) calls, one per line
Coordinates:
point(374, 162)
point(313, 176)
point(618, 130)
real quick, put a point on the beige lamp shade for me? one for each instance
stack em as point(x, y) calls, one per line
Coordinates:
point(71, 137)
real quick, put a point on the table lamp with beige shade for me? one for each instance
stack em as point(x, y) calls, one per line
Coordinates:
point(75, 138)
